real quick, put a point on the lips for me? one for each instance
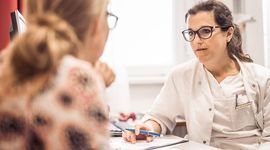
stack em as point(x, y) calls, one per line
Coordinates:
point(201, 49)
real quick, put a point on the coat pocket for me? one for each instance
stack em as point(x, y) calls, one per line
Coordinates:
point(242, 116)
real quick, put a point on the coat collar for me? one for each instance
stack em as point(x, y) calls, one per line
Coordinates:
point(250, 84)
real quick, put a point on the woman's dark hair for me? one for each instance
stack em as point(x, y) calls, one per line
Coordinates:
point(223, 17)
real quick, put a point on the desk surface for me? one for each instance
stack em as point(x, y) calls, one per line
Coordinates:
point(118, 143)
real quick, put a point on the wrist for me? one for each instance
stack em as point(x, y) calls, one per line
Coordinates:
point(153, 125)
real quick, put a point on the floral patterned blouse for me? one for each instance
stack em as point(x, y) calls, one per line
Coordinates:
point(69, 114)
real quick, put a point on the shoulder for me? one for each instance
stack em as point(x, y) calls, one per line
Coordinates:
point(185, 69)
point(257, 70)
point(75, 71)
point(69, 61)
point(258, 73)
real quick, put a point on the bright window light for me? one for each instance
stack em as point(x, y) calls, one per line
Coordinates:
point(143, 35)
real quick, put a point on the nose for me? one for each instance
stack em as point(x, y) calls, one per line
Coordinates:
point(197, 39)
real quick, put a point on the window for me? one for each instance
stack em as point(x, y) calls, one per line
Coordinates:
point(145, 29)
point(147, 38)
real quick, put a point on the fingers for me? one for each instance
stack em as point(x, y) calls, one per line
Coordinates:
point(129, 137)
point(139, 127)
point(144, 127)
point(149, 138)
point(106, 72)
point(133, 137)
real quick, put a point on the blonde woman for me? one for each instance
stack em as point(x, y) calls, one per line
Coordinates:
point(51, 95)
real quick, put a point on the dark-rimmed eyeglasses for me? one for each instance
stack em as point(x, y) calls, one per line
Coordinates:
point(111, 20)
point(204, 32)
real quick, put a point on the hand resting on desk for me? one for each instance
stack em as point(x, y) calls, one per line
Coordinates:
point(149, 125)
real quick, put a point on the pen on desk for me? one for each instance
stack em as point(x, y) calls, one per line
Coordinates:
point(144, 132)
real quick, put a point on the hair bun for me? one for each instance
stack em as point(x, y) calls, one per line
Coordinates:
point(50, 21)
point(37, 51)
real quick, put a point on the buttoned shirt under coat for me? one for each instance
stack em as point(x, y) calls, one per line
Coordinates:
point(186, 94)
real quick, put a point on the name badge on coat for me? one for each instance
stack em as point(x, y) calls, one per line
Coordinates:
point(241, 101)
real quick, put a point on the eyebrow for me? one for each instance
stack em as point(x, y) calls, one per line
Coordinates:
point(203, 26)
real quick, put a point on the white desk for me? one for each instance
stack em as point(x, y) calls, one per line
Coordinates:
point(118, 143)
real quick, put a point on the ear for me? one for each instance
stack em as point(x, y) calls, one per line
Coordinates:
point(230, 32)
point(95, 26)
point(92, 33)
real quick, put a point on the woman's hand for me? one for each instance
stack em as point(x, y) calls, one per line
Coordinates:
point(106, 72)
point(133, 137)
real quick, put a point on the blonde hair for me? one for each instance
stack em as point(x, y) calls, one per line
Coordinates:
point(55, 28)
point(78, 13)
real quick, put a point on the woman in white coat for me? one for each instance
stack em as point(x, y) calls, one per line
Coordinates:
point(223, 96)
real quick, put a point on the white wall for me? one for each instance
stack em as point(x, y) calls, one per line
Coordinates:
point(253, 40)
point(254, 31)
point(266, 11)
point(143, 95)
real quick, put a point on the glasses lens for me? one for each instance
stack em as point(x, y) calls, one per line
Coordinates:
point(112, 20)
point(188, 35)
point(205, 32)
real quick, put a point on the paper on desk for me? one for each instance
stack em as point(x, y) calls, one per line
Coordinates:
point(120, 144)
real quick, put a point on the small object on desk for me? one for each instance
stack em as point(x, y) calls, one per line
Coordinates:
point(144, 132)
point(167, 145)
point(116, 133)
point(165, 142)
point(126, 127)
point(120, 125)
point(127, 116)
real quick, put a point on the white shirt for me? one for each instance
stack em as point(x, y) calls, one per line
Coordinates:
point(226, 133)
point(187, 94)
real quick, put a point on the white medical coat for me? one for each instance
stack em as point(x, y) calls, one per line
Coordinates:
point(186, 93)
